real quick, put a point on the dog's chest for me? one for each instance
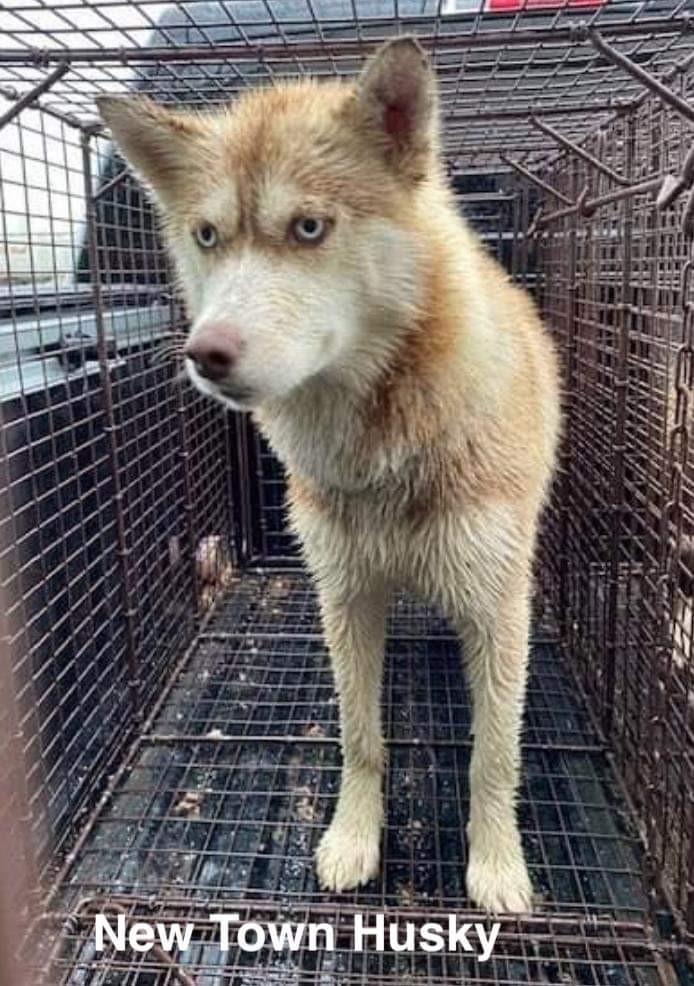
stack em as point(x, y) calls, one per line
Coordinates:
point(412, 514)
point(334, 449)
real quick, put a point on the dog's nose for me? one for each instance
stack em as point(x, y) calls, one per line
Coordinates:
point(214, 349)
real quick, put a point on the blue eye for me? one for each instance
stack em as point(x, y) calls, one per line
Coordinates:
point(309, 230)
point(206, 236)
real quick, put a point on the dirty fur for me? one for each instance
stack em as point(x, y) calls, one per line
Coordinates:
point(408, 387)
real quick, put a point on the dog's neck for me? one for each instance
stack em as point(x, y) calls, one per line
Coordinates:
point(361, 430)
point(326, 433)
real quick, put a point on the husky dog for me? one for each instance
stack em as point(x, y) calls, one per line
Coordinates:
point(408, 387)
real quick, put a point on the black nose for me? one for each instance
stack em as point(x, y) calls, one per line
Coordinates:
point(213, 354)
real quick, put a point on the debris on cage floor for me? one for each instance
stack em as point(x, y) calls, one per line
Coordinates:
point(230, 786)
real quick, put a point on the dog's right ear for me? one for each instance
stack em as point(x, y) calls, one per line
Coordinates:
point(156, 141)
point(397, 101)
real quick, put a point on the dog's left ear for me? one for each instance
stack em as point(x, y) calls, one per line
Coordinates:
point(397, 100)
point(162, 145)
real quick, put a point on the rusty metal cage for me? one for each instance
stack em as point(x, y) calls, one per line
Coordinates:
point(168, 732)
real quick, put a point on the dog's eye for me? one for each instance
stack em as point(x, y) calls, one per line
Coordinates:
point(309, 230)
point(206, 236)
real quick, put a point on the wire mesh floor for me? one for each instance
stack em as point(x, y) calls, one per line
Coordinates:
point(231, 783)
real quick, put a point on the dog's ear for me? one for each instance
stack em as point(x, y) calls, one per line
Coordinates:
point(156, 141)
point(397, 100)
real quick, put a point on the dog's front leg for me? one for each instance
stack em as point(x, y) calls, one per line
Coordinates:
point(496, 658)
point(348, 854)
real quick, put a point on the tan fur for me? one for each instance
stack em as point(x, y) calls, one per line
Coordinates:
point(406, 384)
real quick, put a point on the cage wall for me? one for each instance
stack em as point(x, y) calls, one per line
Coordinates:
point(114, 476)
point(615, 285)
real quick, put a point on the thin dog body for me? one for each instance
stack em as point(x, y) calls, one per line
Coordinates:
point(406, 384)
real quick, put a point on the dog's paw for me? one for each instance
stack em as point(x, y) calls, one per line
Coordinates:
point(499, 881)
point(348, 855)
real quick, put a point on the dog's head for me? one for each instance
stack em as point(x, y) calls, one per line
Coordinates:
point(289, 216)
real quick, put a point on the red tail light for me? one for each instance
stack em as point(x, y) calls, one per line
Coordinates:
point(512, 5)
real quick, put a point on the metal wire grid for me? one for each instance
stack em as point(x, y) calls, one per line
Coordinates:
point(242, 822)
point(57, 522)
point(235, 774)
point(97, 535)
point(544, 950)
point(283, 602)
point(493, 67)
point(232, 782)
point(275, 539)
point(613, 288)
point(260, 687)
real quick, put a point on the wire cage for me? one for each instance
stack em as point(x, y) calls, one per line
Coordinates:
point(168, 729)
